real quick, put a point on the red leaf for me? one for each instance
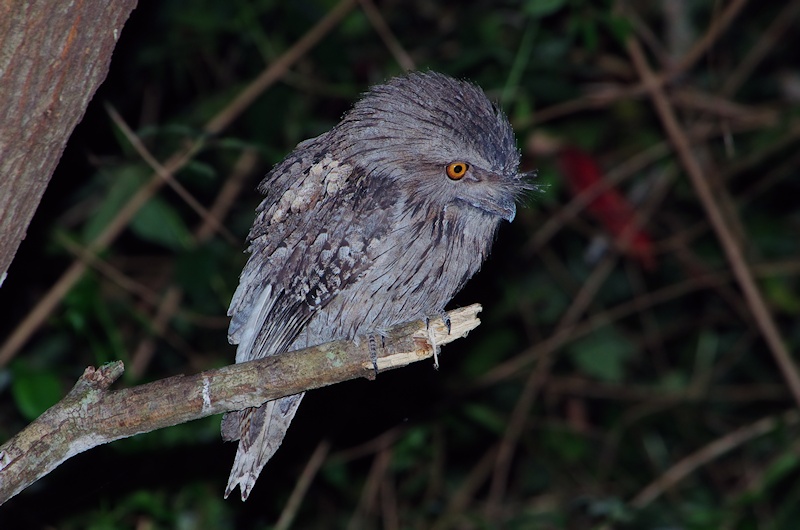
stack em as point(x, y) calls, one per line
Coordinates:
point(610, 207)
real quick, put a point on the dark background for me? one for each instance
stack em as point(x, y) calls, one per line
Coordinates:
point(619, 400)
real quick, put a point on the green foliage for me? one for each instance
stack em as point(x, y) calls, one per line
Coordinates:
point(542, 8)
point(637, 368)
point(115, 188)
point(486, 417)
point(156, 222)
point(34, 391)
point(193, 509)
point(601, 355)
point(569, 447)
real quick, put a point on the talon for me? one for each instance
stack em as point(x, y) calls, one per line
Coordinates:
point(432, 336)
point(373, 352)
point(432, 340)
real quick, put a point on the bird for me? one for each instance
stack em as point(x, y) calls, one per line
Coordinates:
point(377, 222)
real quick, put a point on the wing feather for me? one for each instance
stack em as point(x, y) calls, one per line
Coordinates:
point(294, 270)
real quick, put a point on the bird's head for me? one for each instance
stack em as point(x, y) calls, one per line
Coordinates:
point(438, 142)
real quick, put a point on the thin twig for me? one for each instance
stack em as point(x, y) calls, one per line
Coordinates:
point(375, 445)
point(313, 466)
point(231, 187)
point(370, 489)
point(741, 270)
point(389, 511)
point(618, 174)
point(516, 425)
point(460, 500)
point(387, 36)
point(585, 387)
point(168, 177)
point(169, 305)
point(123, 281)
point(558, 339)
point(172, 299)
point(37, 316)
point(536, 380)
point(271, 74)
point(755, 54)
point(715, 449)
point(692, 99)
point(277, 69)
point(718, 25)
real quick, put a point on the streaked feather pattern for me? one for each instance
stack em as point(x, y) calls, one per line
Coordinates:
point(361, 229)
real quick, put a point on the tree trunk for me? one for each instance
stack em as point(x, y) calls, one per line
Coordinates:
point(53, 56)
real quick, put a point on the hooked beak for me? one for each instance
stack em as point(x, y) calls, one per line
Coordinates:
point(491, 194)
point(509, 212)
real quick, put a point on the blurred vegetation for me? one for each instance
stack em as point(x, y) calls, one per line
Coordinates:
point(598, 393)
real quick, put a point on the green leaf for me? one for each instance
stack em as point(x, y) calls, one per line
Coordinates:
point(34, 391)
point(620, 27)
point(197, 171)
point(121, 184)
point(487, 417)
point(488, 350)
point(157, 222)
point(601, 355)
point(588, 32)
point(194, 268)
point(779, 468)
point(780, 293)
point(336, 473)
point(542, 8)
point(673, 381)
point(570, 446)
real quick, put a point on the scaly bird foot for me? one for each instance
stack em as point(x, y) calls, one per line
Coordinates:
point(373, 352)
point(432, 336)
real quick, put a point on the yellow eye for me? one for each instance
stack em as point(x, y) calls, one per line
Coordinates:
point(456, 170)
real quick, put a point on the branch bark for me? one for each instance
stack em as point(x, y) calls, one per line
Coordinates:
point(92, 415)
point(53, 56)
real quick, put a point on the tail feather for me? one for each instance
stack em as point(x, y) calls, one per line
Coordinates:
point(261, 431)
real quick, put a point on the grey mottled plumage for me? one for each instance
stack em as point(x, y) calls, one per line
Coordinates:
point(362, 228)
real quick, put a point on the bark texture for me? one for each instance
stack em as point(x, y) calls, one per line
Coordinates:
point(92, 415)
point(53, 56)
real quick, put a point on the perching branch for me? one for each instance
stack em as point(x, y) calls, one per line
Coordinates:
point(92, 415)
